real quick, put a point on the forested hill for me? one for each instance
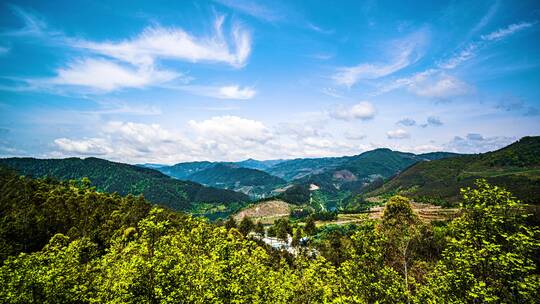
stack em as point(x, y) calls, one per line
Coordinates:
point(230, 176)
point(515, 167)
point(63, 242)
point(343, 177)
point(126, 179)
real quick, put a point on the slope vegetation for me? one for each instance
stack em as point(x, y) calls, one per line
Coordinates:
point(515, 167)
point(126, 179)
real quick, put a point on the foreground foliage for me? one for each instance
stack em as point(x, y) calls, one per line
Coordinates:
point(66, 243)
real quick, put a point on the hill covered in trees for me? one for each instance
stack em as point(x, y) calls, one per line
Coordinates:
point(63, 242)
point(126, 179)
point(515, 167)
point(253, 182)
point(232, 176)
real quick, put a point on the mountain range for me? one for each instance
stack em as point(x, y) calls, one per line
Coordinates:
point(323, 183)
point(334, 177)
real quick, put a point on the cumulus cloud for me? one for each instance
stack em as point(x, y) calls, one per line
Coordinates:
point(362, 111)
point(89, 146)
point(405, 52)
point(509, 30)
point(432, 121)
point(511, 103)
point(408, 122)
point(217, 138)
point(477, 143)
point(131, 142)
point(233, 128)
point(397, 134)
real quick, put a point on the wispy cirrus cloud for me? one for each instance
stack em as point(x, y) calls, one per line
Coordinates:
point(436, 82)
point(253, 9)
point(404, 52)
point(175, 43)
point(233, 91)
point(469, 51)
point(507, 31)
point(101, 75)
point(134, 63)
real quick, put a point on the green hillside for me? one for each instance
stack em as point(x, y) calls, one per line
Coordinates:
point(126, 179)
point(253, 182)
point(515, 167)
point(63, 242)
point(297, 168)
point(355, 174)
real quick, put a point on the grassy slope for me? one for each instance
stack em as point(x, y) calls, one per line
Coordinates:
point(516, 167)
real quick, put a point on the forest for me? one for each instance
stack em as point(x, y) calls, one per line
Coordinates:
point(65, 242)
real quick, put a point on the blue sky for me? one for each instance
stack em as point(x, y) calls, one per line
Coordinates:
point(159, 81)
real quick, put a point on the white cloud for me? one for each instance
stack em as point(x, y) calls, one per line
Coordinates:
point(405, 52)
point(236, 92)
point(218, 138)
point(232, 127)
point(464, 55)
point(89, 146)
point(431, 83)
point(175, 43)
point(349, 76)
point(105, 75)
point(362, 111)
point(442, 86)
point(397, 134)
point(509, 30)
point(33, 25)
point(472, 48)
point(233, 91)
point(332, 92)
point(134, 62)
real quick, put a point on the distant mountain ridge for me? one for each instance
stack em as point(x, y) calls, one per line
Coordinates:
point(335, 176)
point(126, 179)
point(238, 176)
point(515, 167)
